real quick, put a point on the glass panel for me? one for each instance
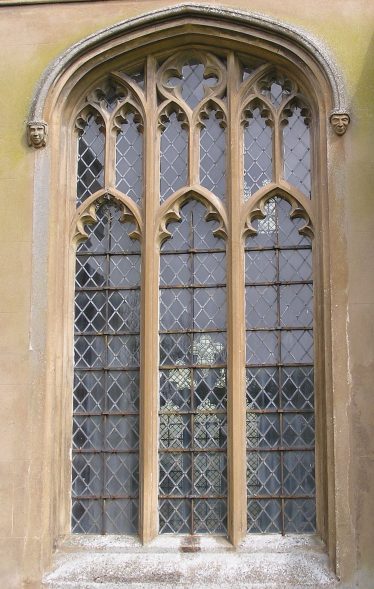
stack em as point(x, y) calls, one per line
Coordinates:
point(175, 349)
point(210, 516)
point(279, 311)
point(295, 265)
point(88, 393)
point(297, 346)
point(193, 393)
point(121, 516)
point(300, 516)
point(257, 154)
point(296, 305)
point(193, 83)
point(175, 516)
point(175, 473)
point(87, 475)
point(297, 388)
point(296, 152)
point(210, 392)
point(129, 159)
point(175, 269)
point(90, 271)
point(209, 308)
point(299, 473)
point(124, 351)
point(263, 430)
point(263, 473)
point(122, 474)
point(210, 473)
point(173, 157)
point(87, 516)
point(123, 391)
point(123, 311)
point(87, 432)
point(122, 433)
point(262, 347)
point(264, 516)
point(263, 309)
point(106, 402)
point(298, 430)
point(124, 271)
point(260, 266)
point(91, 143)
point(89, 311)
point(213, 154)
point(262, 388)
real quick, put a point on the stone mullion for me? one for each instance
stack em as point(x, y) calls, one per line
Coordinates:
point(237, 510)
point(110, 155)
point(194, 151)
point(277, 151)
point(148, 527)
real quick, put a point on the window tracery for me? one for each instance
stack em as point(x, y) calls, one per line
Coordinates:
point(201, 99)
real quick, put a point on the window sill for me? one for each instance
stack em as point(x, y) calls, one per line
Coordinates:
point(118, 562)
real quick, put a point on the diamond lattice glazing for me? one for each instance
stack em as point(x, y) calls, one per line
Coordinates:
point(213, 155)
point(106, 402)
point(279, 311)
point(257, 154)
point(90, 174)
point(193, 423)
point(296, 153)
point(129, 159)
point(173, 157)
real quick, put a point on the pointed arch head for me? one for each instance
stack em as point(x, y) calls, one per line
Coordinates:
point(300, 209)
point(170, 210)
point(202, 24)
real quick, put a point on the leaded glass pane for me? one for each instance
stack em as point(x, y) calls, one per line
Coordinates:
point(296, 152)
point(264, 516)
point(300, 516)
point(173, 157)
point(106, 379)
point(257, 154)
point(129, 159)
point(279, 320)
point(90, 174)
point(121, 516)
point(213, 154)
point(193, 399)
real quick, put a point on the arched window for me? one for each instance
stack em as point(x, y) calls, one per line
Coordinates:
point(194, 179)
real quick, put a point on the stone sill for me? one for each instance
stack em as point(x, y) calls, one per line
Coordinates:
point(203, 562)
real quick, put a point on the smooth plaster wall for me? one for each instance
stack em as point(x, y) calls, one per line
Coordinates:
point(32, 36)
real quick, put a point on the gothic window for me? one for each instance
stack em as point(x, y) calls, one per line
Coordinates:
point(193, 270)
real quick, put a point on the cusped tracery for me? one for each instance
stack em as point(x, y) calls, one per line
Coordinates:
point(202, 161)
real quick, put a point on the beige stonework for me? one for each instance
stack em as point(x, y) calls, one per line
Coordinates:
point(35, 350)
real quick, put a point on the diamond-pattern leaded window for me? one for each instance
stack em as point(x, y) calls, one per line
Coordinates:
point(194, 268)
point(193, 424)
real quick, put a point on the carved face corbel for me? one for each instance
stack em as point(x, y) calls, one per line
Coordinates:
point(340, 122)
point(37, 132)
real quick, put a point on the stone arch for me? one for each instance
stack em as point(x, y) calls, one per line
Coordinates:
point(63, 80)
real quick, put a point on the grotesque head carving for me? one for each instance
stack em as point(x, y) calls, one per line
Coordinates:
point(340, 122)
point(37, 132)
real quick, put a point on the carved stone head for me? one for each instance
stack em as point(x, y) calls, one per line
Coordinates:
point(37, 132)
point(340, 122)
